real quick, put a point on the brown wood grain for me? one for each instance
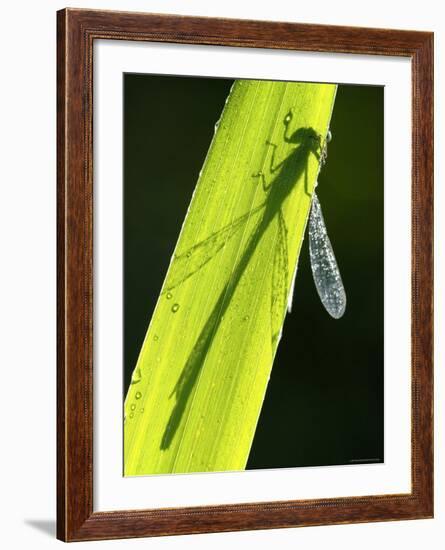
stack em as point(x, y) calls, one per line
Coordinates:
point(76, 32)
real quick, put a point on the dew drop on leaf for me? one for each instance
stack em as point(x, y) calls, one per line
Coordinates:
point(137, 376)
point(175, 308)
point(138, 395)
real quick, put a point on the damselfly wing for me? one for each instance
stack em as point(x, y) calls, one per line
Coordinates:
point(324, 266)
point(189, 262)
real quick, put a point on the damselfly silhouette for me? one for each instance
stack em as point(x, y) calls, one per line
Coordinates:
point(324, 266)
point(285, 175)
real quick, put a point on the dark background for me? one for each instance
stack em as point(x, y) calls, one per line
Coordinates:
point(324, 402)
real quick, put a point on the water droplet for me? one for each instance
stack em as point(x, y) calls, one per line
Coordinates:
point(133, 407)
point(169, 296)
point(155, 337)
point(137, 376)
point(131, 415)
point(138, 395)
point(246, 318)
point(175, 308)
point(142, 410)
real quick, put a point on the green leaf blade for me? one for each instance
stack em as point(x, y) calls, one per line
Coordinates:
point(202, 373)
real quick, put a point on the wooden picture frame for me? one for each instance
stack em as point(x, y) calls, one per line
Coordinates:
point(76, 32)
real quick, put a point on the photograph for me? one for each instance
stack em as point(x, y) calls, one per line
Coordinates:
point(222, 241)
point(244, 276)
point(253, 274)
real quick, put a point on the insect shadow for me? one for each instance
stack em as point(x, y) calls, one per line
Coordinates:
point(285, 175)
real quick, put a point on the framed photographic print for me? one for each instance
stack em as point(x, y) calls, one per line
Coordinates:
point(244, 275)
